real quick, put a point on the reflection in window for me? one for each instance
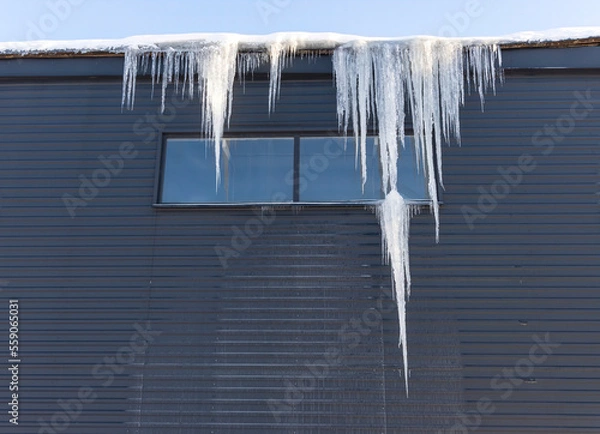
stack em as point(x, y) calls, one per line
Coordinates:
point(329, 171)
point(252, 170)
point(275, 170)
point(412, 184)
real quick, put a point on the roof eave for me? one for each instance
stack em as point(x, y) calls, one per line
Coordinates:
point(567, 43)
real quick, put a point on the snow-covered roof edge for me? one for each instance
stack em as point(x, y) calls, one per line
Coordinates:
point(302, 40)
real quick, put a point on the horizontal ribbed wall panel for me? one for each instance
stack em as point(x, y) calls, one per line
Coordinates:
point(232, 340)
point(529, 266)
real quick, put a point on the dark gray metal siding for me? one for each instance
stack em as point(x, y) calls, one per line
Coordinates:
point(532, 265)
point(231, 339)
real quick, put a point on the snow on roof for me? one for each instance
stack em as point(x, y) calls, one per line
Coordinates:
point(553, 35)
point(301, 40)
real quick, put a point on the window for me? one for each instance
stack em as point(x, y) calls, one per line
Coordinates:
point(263, 170)
point(252, 171)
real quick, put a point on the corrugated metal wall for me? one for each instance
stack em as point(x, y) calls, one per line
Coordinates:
point(287, 337)
point(531, 265)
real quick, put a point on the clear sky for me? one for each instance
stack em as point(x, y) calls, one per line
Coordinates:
point(89, 19)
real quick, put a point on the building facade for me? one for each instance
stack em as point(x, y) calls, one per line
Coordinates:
point(140, 315)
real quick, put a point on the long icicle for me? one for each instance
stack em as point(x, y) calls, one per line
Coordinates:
point(385, 81)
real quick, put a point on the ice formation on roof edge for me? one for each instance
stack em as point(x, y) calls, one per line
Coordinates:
point(379, 83)
point(384, 82)
point(214, 67)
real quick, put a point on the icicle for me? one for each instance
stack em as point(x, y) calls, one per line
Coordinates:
point(387, 63)
point(480, 75)
point(217, 66)
point(378, 81)
point(177, 70)
point(130, 71)
point(424, 74)
point(153, 71)
point(279, 53)
point(247, 63)
point(394, 218)
point(214, 65)
point(354, 81)
point(167, 76)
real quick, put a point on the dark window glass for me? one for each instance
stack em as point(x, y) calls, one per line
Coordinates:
point(411, 178)
point(252, 170)
point(261, 170)
point(330, 172)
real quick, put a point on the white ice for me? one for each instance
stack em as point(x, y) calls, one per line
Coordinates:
point(385, 82)
point(394, 219)
point(212, 65)
point(309, 41)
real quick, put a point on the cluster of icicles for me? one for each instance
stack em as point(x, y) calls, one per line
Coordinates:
point(381, 82)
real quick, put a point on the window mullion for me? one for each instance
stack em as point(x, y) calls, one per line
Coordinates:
point(296, 169)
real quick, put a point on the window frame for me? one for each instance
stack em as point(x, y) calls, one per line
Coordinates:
point(297, 136)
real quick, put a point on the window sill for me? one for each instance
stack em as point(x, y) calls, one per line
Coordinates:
point(242, 205)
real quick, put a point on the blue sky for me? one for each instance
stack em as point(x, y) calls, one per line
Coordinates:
point(84, 19)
